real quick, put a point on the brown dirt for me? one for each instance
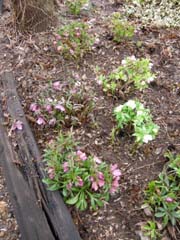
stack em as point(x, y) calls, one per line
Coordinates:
point(34, 61)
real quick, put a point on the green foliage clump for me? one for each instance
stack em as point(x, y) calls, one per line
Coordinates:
point(136, 116)
point(150, 229)
point(121, 29)
point(132, 74)
point(163, 195)
point(73, 40)
point(75, 6)
point(83, 180)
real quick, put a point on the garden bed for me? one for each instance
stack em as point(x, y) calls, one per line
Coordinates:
point(36, 62)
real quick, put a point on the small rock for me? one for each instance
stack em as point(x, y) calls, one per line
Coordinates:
point(3, 209)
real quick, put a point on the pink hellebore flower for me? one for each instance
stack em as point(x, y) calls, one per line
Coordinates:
point(94, 186)
point(58, 37)
point(34, 107)
point(169, 200)
point(97, 160)
point(52, 122)
point(17, 125)
point(51, 173)
point(80, 182)
point(101, 181)
point(81, 155)
point(60, 107)
point(69, 186)
point(65, 167)
point(115, 185)
point(114, 170)
point(41, 121)
point(57, 85)
point(48, 108)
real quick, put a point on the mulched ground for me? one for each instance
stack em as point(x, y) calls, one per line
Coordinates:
point(34, 62)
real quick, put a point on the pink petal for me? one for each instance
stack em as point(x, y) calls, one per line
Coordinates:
point(48, 108)
point(97, 160)
point(116, 173)
point(52, 122)
point(94, 186)
point(100, 175)
point(41, 121)
point(69, 186)
point(60, 107)
point(17, 125)
point(51, 173)
point(101, 183)
point(80, 181)
point(113, 167)
point(65, 167)
point(34, 107)
point(57, 85)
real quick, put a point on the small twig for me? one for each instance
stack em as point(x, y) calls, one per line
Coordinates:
point(147, 165)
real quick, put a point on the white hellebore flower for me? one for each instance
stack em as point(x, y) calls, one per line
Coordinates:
point(118, 109)
point(133, 58)
point(123, 62)
point(139, 113)
point(150, 65)
point(131, 104)
point(150, 79)
point(147, 138)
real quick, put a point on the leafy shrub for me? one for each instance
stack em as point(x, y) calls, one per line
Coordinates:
point(73, 40)
point(132, 74)
point(120, 28)
point(151, 230)
point(134, 115)
point(83, 180)
point(162, 195)
point(62, 105)
point(75, 6)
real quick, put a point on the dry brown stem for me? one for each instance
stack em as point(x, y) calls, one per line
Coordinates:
point(33, 14)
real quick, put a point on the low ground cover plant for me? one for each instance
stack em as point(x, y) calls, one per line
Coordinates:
point(133, 116)
point(75, 6)
point(150, 229)
point(162, 196)
point(58, 105)
point(121, 28)
point(132, 74)
point(155, 12)
point(84, 180)
point(73, 40)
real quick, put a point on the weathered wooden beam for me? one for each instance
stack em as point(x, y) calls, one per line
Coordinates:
point(41, 214)
point(1, 6)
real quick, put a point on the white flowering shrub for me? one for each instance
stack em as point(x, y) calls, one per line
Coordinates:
point(132, 74)
point(134, 113)
point(156, 12)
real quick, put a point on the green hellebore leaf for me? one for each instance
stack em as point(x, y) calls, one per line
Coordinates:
point(73, 200)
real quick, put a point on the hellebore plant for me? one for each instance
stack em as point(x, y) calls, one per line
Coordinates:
point(84, 180)
point(70, 106)
point(132, 74)
point(49, 112)
point(121, 28)
point(73, 40)
point(75, 6)
point(134, 114)
point(162, 196)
